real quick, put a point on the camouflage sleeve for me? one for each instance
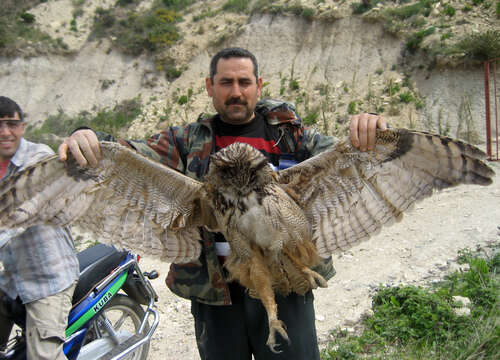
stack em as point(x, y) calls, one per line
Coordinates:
point(312, 143)
point(161, 147)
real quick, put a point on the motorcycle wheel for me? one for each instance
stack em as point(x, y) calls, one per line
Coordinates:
point(125, 316)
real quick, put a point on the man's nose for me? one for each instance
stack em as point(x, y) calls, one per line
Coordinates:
point(235, 90)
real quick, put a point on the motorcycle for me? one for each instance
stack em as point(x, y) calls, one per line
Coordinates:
point(103, 323)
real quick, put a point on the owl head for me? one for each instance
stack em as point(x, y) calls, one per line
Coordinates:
point(239, 168)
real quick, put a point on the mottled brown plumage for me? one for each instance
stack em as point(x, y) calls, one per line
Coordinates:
point(278, 224)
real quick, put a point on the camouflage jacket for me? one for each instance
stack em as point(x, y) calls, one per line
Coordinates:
point(187, 149)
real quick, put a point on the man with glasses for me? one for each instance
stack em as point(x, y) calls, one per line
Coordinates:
point(38, 265)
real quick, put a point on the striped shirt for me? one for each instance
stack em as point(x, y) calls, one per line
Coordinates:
point(39, 261)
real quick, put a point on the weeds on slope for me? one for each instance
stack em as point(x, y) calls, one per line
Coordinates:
point(411, 322)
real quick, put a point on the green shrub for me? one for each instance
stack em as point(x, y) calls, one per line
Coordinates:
point(182, 100)
point(411, 322)
point(392, 88)
point(415, 40)
point(106, 120)
point(28, 18)
point(172, 73)
point(177, 5)
point(294, 85)
point(447, 35)
point(237, 6)
point(361, 7)
point(311, 118)
point(352, 108)
point(138, 32)
point(124, 2)
point(307, 13)
point(406, 97)
point(482, 46)
point(449, 10)
point(498, 9)
point(423, 7)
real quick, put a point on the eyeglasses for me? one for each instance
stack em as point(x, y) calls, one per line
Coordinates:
point(10, 124)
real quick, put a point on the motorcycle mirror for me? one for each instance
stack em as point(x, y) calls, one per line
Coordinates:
point(151, 275)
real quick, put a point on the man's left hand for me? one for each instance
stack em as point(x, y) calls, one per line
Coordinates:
point(362, 130)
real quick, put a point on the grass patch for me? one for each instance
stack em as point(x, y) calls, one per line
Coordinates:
point(237, 6)
point(415, 40)
point(364, 6)
point(18, 30)
point(411, 322)
point(134, 32)
point(112, 121)
point(481, 47)
point(423, 7)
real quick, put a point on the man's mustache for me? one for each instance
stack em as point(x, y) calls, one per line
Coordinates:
point(235, 101)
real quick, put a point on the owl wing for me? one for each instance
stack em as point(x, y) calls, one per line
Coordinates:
point(349, 195)
point(127, 200)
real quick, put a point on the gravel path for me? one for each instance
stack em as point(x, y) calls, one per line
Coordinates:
point(419, 249)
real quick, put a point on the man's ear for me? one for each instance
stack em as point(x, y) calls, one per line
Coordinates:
point(259, 86)
point(208, 86)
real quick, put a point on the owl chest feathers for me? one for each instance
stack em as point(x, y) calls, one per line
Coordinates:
point(267, 217)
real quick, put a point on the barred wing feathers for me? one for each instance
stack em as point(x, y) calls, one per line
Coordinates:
point(127, 200)
point(349, 195)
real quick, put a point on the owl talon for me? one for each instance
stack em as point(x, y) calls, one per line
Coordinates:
point(276, 326)
point(273, 350)
point(315, 279)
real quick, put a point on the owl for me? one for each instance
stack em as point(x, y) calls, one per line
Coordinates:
point(279, 224)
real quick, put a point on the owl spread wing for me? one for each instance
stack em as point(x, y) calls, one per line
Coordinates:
point(127, 200)
point(349, 195)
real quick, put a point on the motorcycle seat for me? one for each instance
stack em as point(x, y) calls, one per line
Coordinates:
point(95, 264)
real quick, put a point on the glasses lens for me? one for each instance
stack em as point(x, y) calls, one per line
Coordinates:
point(10, 124)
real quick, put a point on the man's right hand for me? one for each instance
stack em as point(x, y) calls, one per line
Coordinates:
point(84, 146)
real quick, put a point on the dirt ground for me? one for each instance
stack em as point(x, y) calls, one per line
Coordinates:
point(420, 249)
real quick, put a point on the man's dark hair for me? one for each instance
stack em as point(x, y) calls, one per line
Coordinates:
point(234, 52)
point(9, 108)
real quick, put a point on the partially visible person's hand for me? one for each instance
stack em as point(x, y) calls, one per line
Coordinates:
point(362, 130)
point(84, 146)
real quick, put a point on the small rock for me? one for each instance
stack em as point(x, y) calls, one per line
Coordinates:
point(462, 311)
point(464, 301)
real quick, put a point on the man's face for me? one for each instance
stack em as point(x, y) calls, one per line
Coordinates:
point(11, 131)
point(235, 90)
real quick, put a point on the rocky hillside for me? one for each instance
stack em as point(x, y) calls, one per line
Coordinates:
point(418, 62)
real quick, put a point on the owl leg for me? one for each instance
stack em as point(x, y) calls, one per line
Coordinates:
point(312, 276)
point(261, 278)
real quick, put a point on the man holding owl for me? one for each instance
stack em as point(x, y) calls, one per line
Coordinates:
point(229, 322)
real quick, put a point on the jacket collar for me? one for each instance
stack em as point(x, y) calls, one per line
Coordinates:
point(19, 158)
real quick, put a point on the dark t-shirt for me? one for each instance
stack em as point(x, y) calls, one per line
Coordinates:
point(257, 133)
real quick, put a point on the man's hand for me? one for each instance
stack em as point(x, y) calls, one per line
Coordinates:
point(84, 146)
point(362, 130)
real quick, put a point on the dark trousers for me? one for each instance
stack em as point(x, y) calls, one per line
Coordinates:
point(5, 322)
point(236, 332)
